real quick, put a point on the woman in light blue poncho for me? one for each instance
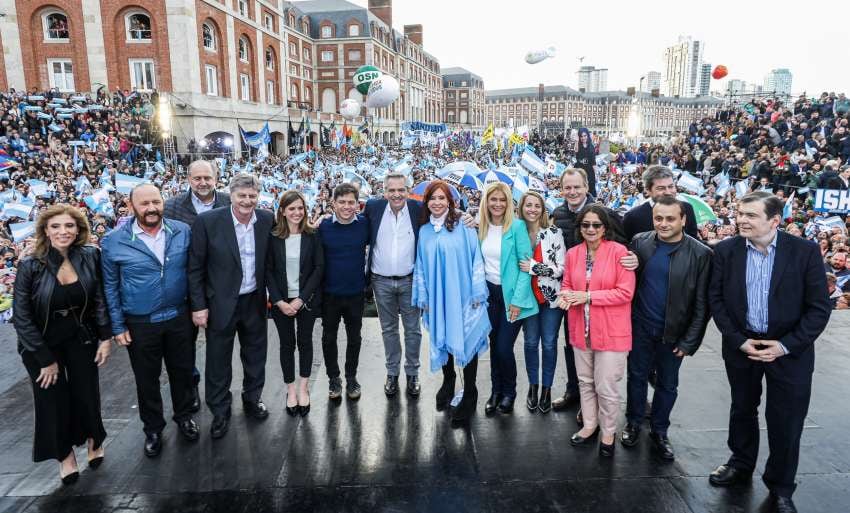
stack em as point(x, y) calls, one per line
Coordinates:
point(449, 288)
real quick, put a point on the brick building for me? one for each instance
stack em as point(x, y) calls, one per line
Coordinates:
point(463, 94)
point(223, 63)
point(554, 109)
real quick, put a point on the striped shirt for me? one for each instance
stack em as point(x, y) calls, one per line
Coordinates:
point(759, 271)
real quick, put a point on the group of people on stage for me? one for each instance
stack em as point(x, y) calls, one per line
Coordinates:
point(635, 294)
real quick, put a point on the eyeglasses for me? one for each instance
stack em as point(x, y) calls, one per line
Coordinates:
point(595, 226)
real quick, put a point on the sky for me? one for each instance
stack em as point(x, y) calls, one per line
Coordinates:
point(491, 37)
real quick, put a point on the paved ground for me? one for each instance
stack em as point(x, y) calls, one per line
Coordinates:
point(401, 455)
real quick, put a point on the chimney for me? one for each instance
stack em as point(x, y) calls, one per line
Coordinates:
point(414, 33)
point(383, 9)
point(540, 92)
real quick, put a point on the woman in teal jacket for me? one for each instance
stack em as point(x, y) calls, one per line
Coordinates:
point(504, 243)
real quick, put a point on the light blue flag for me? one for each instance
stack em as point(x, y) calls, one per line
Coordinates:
point(125, 183)
point(99, 203)
point(21, 210)
point(532, 162)
point(22, 231)
point(38, 187)
point(741, 188)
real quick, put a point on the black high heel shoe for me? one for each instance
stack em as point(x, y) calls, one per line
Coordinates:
point(606, 450)
point(70, 478)
point(577, 439)
point(446, 392)
point(304, 409)
point(94, 463)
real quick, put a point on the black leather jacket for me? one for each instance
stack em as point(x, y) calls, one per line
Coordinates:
point(34, 286)
point(687, 312)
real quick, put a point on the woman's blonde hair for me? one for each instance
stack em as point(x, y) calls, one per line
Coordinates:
point(484, 213)
point(42, 243)
point(543, 222)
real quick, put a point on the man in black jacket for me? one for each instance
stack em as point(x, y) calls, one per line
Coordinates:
point(658, 182)
point(769, 299)
point(669, 317)
point(227, 289)
point(574, 191)
point(200, 198)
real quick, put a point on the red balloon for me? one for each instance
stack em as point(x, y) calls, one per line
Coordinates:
point(719, 72)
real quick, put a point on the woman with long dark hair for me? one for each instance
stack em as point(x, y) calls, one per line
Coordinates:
point(449, 288)
point(586, 158)
point(64, 335)
point(295, 264)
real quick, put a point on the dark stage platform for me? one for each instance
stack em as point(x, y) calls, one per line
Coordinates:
point(399, 455)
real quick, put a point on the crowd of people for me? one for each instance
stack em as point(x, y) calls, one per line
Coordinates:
point(600, 242)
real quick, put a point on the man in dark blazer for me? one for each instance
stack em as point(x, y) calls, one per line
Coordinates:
point(769, 299)
point(393, 234)
point(657, 182)
point(227, 288)
point(201, 197)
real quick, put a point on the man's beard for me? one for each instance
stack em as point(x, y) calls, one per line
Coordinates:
point(142, 219)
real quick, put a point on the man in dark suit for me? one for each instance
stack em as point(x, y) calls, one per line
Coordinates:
point(202, 196)
point(657, 182)
point(393, 233)
point(769, 299)
point(226, 302)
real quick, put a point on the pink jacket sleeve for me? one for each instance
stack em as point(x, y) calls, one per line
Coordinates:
point(566, 282)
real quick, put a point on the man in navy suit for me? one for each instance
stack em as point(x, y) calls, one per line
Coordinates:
point(769, 300)
point(393, 233)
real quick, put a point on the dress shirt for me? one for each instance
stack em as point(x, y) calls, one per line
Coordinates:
point(759, 271)
point(155, 243)
point(247, 252)
point(200, 206)
point(395, 247)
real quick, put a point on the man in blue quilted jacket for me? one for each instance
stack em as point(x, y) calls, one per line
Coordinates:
point(146, 287)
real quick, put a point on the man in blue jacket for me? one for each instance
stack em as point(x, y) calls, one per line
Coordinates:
point(146, 287)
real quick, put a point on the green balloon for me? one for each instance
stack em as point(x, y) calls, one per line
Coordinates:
point(364, 76)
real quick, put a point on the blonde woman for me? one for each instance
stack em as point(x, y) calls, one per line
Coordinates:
point(546, 266)
point(504, 244)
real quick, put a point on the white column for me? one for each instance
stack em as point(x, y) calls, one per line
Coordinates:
point(232, 48)
point(183, 46)
point(95, 47)
point(261, 69)
point(12, 55)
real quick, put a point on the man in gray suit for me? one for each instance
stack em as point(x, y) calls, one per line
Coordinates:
point(201, 196)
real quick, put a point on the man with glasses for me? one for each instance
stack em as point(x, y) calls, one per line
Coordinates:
point(393, 233)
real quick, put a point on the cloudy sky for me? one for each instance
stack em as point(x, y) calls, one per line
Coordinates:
point(491, 38)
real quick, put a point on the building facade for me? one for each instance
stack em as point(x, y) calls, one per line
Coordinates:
point(592, 79)
point(650, 82)
point(704, 79)
point(778, 81)
point(554, 109)
point(464, 100)
point(224, 63)
point(682, 67)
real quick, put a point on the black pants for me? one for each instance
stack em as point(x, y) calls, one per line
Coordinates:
point(570, 359)
point(68, 412)
point(250, 324)
point(350, 310)
point(785, 411)
point(286, 332)
point(152, 344)
point(196, 374)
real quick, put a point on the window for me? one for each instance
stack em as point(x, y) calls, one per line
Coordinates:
point(327, 56)
point(329, 100)
point(269, 59)
point(212, 79)
point(61, 74)
point(464, 95)
point(243, 49)
point(327, 32)
point(243, 7)
point(307, 95)
point(142, 74)
point(354, 30)
point(463, 83)
point(245, 87)
point(305, 26)
point(308, 74)
point(210, 41)
point(306, 54)
point(270, 91)
point(293, 91)
point(293, 49)
point(55, 26)
point(138, 27)
point(268, 21)
point(354, 55)
point(293, 70)
point(291, 21)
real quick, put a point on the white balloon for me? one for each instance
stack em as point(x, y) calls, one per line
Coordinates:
point(383, 91)
point(536, 56)
point(349, 108)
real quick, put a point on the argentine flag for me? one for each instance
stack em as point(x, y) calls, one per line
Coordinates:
point(532, 162)
point(11, 210)
point(22, 231)
point(125, 183)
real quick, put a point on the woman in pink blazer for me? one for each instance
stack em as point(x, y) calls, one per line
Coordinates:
point(597, 292)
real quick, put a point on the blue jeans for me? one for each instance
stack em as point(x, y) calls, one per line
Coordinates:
point(542, 329)
point(648, 351)
point(503, 334)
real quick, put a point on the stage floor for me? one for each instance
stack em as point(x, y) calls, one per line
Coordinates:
point(399, 454)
